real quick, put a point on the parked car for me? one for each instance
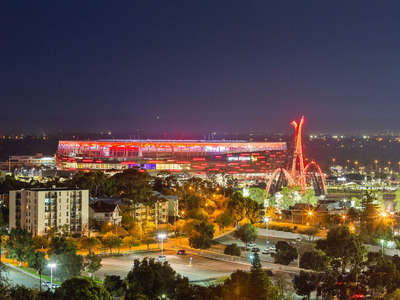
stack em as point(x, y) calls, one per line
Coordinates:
point(251, 244)
point(265, 251)
point(299, 239)
point(181, 252)
point(54, 286)
point(161, 258)
point(255, 249)
point(46, 283)
point(272, 249)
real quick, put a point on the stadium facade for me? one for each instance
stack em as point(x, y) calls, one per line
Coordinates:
point(190, 156)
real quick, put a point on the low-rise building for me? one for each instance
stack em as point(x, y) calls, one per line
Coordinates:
point(39, 210)
point(102, 211)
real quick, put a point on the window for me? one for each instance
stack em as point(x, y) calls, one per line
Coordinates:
point(60, 207)
point(59, 193)
point(59, 221)
point(67, 214)
point(35, 201)
point(66, 221)
point(67, 207)
point(35, 223)
point(29, 213)
point(67, 200)
point(59, 214)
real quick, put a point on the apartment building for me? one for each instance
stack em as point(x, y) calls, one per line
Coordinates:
point(38, 210)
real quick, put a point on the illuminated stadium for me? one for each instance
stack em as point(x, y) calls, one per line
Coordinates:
point(191, 156)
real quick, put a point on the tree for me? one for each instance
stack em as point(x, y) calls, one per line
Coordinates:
point(110, 240)
point(18, 244)
point(93, 263)
point(310, 196)
point(223, 221)
point(37, 261)
point(69, 264)
point(397, 201)
point(240, 207)
point(134, 187)
point(393, 296)
point(357, 201)
point(148, 228)
point(60, 245)
point(147, 240)
point(89, 243)
point(305, 283)
point(97, 182)
point(116, 229)
point(232, 250)
point(235, 286)
point(342, 247)
point(260, 286)
point(285, 253)
point(131, 241)
point(382, 277)
point(179, 227)
point(114, 285)
point(313, 260)
point(201, 236)
point(136, 230)
point(40, 242)
point(153, 279)
point(257, 194)
point(127, 221)
point(368, 207)
point(311, 232)
point(81, 289)
point(246, 233)
point(283, 283)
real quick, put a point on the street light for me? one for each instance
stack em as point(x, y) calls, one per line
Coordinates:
point(51, 272)
point(162, 236)
point(221, 189)
point(116, 228)
point(356, 162)
point(266, 226)
point(310, 215)
point(382, 246)
point(376, 165)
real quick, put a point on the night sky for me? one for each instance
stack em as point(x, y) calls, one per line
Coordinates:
point(198, 66)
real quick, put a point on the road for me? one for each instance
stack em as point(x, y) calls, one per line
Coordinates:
point(200, 268)
point(16, 277)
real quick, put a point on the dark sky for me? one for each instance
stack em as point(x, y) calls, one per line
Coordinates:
point(200, 66)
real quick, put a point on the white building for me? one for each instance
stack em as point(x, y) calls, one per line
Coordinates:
point(38, 210)
point(104, 212)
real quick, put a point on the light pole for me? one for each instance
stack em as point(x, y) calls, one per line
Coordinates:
point(162, 236)
point(310, 214)
point(266, 235)
point(51, 272)
point(356, 163)
point(376, 165)
point(382, 246)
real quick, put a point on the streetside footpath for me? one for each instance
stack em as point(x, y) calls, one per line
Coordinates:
point(22, 271)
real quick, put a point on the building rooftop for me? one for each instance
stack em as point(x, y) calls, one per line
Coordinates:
point(101, 206)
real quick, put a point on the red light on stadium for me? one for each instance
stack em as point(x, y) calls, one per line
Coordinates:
point(237, 167)
point(183, 162)
point(195, 166)
point(245, 165)
point(155, 161)
point(241, 169)
point(233, 164)
point(85, 170)
point(219, 156)
point(250, 170)
point(229, 155)
point(257, 164)
point(255, 154)
point(64, 158)
point(203, 164)
point(272, 155)
point(199, 158)
point(72, 169)
point(128, 162)
point(203, 172)
point(170, 160)
point(87, 160)
point(99, 161)
point(244, 154)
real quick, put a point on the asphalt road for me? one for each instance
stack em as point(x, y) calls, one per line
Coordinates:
point(16, 277)
point(199, 269)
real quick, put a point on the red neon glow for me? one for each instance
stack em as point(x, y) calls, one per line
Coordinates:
point(229, 155)
point(174, 170)
point(255, 154)
point(128, 162)
point(170, 160)
point(183, 162)
point(87, 160)
point(99, 161)
point(219, 156)
point(199, 158)
point(245, 165)
point(64, 158)
point(85, 170)
point(155, 161)
point(250, 170)
point(205, 164)
point(244, 154)
point(72, 169)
